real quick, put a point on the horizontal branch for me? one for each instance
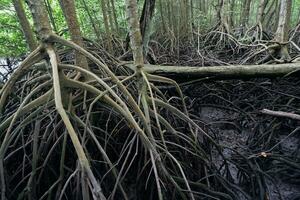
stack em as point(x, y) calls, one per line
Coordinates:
point(280, 114)
point(223, 71)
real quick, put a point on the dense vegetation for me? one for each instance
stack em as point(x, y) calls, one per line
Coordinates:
point(203, 17)
point(90, 107)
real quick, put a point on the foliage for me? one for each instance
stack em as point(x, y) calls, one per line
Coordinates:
point(13, 43)
point(11, 37)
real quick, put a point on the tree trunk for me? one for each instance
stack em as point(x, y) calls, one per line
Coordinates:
point(68, 8)
point(145, 23)
point(50, 14)
point(276, 16)
point(271, 23)
point(232, 14)
point(40, 18)
point(261, 16)
point(106, 24)
point(221, 16)
point(246, 14)
point(135, 33)
point(110, 17)
point(28, 33)
point(260, 11)
point(269, 11)
point(219, 8)
point(163, 21)
point(44, 30)
point(282, 33)
point(114, 11)
point(192, 12)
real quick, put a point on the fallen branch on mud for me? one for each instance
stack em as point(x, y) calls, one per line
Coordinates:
point(223, 71)
point(280, 114)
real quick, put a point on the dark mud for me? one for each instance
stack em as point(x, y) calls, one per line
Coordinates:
point(263, 151)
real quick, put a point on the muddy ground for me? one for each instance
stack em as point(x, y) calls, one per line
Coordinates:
point(230, 110)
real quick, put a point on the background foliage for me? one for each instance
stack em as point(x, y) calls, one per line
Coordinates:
point(13, 44)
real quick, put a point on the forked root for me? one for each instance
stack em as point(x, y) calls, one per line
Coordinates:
point(135, 99)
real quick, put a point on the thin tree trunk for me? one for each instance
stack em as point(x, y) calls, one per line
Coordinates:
point(50, 13)
point(110, 17)
point(163, 21)
point(40, 18)
point(184, 17)
point(169, 6)
point(282, 33)
point(219, 9)
point(96, 30)
point(44, 31)
point(68, 8)
point(298, 16)
point(270, 23)
point(221, 16)
point(260, 18)
point(136, 45)
point(232, 14)
point(145, 23)
point(27, 31)
point(106, 23)
point(135, 33)
point(268, 12)
point(277, 16)
point(260, 12)
point(246, 14)
point(114, 11)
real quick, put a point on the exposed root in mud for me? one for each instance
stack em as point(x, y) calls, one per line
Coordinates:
point(97, 135)
point(110, 133)
point(262, 151)
point(219, 47)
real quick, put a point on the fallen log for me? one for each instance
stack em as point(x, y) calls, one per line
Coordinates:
point(231, 71)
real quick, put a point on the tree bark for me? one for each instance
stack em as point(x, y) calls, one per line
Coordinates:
point(40, 18)
point(135, 33)
point(260, 11)
point(232, 14)
point(109, 14)
point(163, 21)
point(269, 24)
point(27, 31)
point(50, 14)
point(221, 16)
point(46, 34)
point(106, 21)
point(246, 14)
point(233, 71)
point(145, 23)
point(282, 32)
point(68, 8)
point(115, 15)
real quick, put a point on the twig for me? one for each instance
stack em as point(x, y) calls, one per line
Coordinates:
point(280, 114)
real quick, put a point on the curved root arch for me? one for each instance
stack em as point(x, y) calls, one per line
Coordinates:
point(144, 118)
